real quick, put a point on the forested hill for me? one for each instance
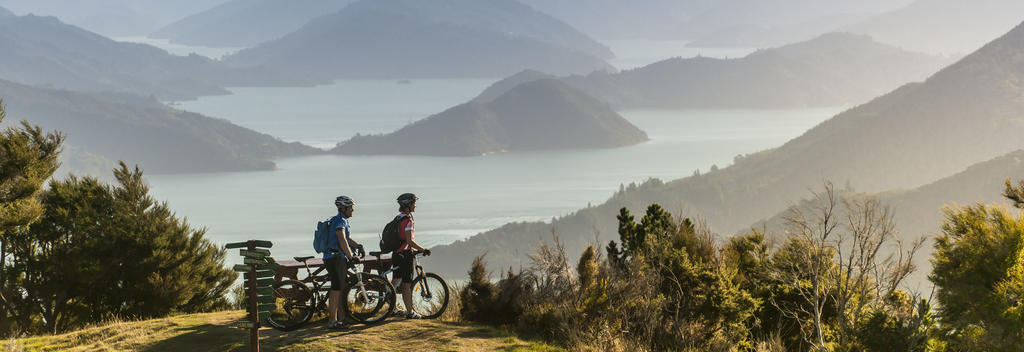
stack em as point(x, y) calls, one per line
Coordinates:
point(539, 115)
point(968, 112)
point(244, 23)
point(112, 127)
point(429, 39)
point(833, 69)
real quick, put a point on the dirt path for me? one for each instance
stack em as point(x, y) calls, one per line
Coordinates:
point(215, 332)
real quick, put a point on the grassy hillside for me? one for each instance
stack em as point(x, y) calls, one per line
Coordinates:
point(216, 332)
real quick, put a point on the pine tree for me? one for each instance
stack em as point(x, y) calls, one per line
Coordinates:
point(28, 157)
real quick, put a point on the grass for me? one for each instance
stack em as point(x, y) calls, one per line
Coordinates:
point(215, 332)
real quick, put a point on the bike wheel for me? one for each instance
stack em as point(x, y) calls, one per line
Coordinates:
point(295, 305)
point(429, 296)
point(371, 302)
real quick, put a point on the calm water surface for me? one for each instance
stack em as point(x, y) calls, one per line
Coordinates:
point(460, 196)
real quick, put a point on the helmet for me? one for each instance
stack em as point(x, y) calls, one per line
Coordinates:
point(407, 198)
point(344, 201)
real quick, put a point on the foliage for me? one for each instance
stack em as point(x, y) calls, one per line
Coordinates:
point(27, 158)
point(978, 271)
point(100, 251)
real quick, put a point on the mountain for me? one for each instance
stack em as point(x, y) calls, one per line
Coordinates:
point(943, 26)
point(429, 39)
point(43, 51)
point(833, 69)
point(113, 18)
point(730, 15)
point(968, 112)
point(538, 115)
point(244, 23)
point(616, 19)
point(759, 35)
point(918, 211)
point(110, 127)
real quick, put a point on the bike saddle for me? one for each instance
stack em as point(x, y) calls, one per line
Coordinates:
point(303, 259)
point(375, 254)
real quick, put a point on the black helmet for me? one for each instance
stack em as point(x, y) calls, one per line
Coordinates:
point(407, 198)
point(344, 201)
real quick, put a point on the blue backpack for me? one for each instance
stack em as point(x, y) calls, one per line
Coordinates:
point(322, 233)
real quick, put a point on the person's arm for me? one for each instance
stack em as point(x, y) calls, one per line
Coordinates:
point(343, 241)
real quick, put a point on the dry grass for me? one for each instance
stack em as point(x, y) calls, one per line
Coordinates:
point(214, 332)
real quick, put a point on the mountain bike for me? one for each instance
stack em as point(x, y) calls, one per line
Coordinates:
point(368, 298)
point(429, 290)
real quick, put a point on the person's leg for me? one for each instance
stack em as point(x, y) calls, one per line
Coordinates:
point(333, 297)
point(407, 296)
point(341, 310)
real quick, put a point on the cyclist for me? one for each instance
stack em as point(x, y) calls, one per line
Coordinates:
point(403, 257)
point(338, 258)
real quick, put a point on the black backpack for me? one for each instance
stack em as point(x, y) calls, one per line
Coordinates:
point(391, 237)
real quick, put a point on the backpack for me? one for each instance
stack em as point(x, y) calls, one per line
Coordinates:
point(391, 237)
point(322, 234)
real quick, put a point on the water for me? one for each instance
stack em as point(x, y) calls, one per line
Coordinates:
point(460, 196)
point(180, 49)
point(322, 116)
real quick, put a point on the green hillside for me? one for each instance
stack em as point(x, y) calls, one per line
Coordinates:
point(217, 332)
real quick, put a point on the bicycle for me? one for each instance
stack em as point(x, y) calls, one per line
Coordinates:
point(429, 291)
point(368, 298)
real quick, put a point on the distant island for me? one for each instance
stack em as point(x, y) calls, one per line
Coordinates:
point(539, 115)
point(103, 128)
point(830, 70)
point(412, 39)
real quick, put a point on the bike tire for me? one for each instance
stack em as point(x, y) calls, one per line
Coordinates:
point(375, 305)
point(430, 295)
point(295, 305)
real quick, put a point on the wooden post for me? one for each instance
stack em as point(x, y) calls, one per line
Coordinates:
point(254, 331)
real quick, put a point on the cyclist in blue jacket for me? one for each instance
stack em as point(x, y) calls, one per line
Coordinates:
point(337, 260)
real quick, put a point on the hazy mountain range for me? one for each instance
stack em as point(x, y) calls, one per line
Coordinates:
point(113, 18)
point(833, 69)
point(244, 23)
point(616, 19)
point(918, 134)
point(430, 39)
point(105, 128)
point(733, 15)
point(943, 26)
point(540, 115)
point(44, 51)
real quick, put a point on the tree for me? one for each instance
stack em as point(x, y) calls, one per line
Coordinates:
point(843, 255)
point(27, 158)
point(978, 271)
point(102, 251)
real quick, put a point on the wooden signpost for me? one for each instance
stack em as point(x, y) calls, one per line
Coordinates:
point(259, 275)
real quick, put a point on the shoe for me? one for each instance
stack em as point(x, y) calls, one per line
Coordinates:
point(396, 313)
point(338, 325)
point(413, 315)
